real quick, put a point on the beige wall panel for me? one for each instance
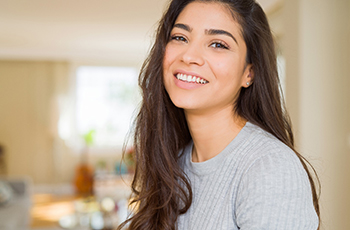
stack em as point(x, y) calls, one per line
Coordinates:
point(317, 43)
point(26, 90)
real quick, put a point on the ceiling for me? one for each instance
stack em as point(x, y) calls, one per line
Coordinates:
point(118, 31)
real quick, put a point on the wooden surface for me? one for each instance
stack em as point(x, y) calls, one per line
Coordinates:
point(47, 209)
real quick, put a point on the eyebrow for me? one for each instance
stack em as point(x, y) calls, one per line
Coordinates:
point(220, 32)
point(209, 32)
point(183, 26)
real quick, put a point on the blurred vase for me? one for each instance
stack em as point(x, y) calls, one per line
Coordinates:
point(84, 176)
point(84, 179)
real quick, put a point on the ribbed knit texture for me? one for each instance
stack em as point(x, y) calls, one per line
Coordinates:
point(255, 183)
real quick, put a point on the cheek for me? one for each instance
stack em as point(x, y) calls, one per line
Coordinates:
point(170, 53)
point(228, 68)
point(166, 61)
point(223, 68)
point(167, 52)
point(166, 66)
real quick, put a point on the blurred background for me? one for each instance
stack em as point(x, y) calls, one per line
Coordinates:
point(68, 93)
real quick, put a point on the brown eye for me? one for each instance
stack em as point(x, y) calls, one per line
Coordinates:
point(218, 45)
point(179, 38)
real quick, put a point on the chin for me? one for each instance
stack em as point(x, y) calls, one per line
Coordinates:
point(183, 103)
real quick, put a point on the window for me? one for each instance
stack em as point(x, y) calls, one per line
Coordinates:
point(107, 98)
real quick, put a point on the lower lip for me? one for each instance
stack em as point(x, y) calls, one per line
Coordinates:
point(187, 85)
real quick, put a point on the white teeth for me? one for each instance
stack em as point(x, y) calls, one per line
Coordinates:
point(190, 78)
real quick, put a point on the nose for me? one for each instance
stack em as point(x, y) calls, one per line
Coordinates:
point(193, 55)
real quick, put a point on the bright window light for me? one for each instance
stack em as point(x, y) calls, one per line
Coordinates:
point(107, 98)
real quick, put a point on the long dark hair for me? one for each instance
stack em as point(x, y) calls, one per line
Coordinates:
point(161, 190)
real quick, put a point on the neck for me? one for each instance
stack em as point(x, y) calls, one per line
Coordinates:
point(212, 132)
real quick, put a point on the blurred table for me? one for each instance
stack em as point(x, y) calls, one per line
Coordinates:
point(51, 210)
point(47, 209)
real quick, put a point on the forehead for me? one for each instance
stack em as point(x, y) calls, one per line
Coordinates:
point(209, 14)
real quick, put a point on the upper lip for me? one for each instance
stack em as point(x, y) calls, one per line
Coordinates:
point(188, 73)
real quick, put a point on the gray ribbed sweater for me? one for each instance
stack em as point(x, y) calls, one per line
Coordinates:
point(255, 183)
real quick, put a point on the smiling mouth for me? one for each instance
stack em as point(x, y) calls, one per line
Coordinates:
point(190, 78)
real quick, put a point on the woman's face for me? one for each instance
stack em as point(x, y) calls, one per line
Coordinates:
point(204, 64)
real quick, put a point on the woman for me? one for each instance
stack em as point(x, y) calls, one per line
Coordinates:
point(214, 146)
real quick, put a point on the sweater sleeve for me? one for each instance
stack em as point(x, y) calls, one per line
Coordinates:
point(275, 194)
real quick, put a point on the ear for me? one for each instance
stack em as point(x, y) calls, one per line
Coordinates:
point(248, 76)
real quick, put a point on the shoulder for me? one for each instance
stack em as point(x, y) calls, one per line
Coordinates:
point(274, 190)
point(269, 162)
point(261, 147)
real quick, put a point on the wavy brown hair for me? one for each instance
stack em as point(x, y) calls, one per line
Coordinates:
point(161, 190)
